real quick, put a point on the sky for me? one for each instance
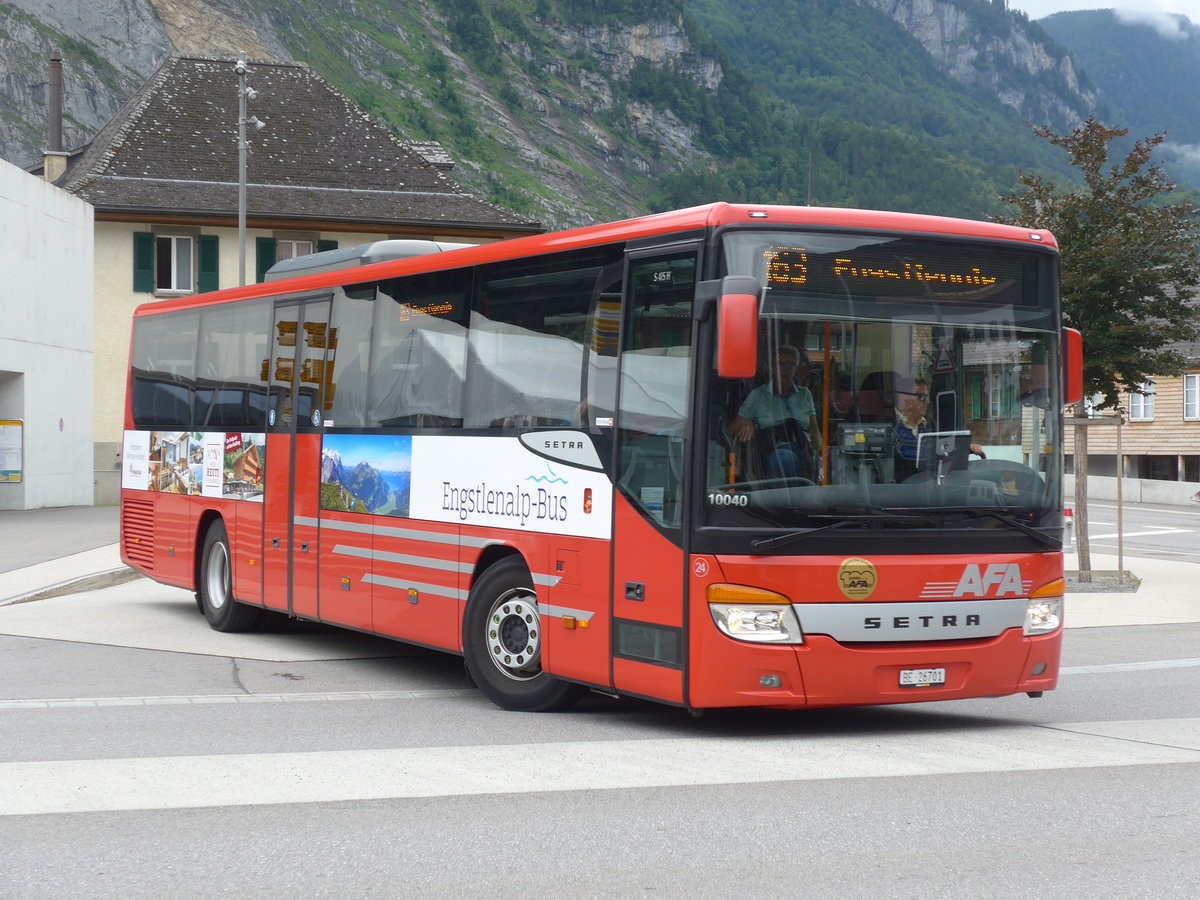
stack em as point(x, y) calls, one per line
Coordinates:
point(1035, 9)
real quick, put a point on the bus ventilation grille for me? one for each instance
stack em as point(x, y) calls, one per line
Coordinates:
point(137, 533)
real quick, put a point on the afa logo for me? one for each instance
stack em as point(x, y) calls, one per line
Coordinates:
point(857, 578)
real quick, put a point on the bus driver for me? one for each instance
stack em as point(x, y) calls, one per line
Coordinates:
point(786, 410)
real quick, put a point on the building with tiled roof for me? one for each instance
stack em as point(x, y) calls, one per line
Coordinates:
point(163, 178)
point(320, 160)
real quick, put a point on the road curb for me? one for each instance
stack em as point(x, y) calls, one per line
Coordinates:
point(92, 582)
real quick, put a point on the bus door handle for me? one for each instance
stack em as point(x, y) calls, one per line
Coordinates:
point(275, 543)
point(635, 590)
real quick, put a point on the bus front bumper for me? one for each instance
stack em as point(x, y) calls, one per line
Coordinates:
point(822, 672)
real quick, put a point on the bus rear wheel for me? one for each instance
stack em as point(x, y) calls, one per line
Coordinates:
point(215, 592)
point(502, 643)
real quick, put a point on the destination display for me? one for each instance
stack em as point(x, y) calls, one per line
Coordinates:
point(881, 271)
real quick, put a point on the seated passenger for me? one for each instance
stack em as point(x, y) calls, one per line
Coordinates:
point(876, 400)
point(785, 410)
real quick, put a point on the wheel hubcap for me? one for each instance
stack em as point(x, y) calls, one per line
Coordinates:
point(217, 576)
point(514, 639)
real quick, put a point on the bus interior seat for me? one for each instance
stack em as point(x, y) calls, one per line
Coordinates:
point(876, 401)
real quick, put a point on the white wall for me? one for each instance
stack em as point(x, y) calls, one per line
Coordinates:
point(46, 338)
point(1137, 490)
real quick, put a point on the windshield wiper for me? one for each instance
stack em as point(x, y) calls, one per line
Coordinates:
point(1003, 514)
point(781, 539)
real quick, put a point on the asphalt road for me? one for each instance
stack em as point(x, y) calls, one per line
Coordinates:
point(326, 764)
point(32, 536)
point(1165, 532)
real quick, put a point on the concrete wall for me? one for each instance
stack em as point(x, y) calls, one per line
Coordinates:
point(46, 335)
point(1137, 490)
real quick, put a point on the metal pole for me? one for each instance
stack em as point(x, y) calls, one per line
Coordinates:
point(241, 73)
point(1120, 507)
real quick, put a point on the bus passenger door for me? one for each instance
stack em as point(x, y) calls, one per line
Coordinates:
point(649, 638)
point(292, 497)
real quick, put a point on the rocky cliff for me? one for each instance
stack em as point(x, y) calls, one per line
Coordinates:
point(977, 42)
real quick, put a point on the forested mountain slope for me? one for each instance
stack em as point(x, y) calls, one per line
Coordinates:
point(580, 110)
point(1148, 67)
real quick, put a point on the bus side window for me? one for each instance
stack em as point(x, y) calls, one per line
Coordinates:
point(418, 351)
point(229, 390)
point(164, 370)
point(353, 310)
point(535, 350)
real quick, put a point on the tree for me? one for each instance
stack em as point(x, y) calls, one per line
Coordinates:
point(1130, 269)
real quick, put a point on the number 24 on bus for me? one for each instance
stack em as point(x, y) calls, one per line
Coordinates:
point(642, 458)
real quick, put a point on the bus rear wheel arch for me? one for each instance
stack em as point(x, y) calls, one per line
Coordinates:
point(502, 642)
point(214, 591)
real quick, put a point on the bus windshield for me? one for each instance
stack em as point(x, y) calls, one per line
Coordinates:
point(901, 382)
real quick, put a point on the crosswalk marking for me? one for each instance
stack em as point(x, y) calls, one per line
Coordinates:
point(1131, 534)
point(1130, 667)
point(182, 782)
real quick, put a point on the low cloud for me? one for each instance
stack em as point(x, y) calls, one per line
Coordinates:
point(1184, 153)
point(1172, 27)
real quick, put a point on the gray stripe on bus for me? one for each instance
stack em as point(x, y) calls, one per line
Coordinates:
point(548, 609)
point(401, 584)
point(432, 537)
point(422, 562)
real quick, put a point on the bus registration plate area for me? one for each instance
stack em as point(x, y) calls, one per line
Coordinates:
point(922, 677)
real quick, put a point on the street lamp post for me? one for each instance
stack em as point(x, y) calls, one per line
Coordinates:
point(245, 92)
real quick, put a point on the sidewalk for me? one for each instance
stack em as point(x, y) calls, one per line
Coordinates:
point(50, 552)
point(1169, 594)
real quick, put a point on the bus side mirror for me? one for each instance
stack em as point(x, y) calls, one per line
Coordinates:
point(737, 327)
point(1072, 356)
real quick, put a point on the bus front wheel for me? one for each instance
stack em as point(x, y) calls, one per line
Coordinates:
point(502, 643)
point(215, 592)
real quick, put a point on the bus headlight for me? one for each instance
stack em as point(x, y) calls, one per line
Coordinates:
point(752, 614)
point(1043, 615)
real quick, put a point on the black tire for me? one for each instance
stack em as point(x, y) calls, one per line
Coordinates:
point(502, 643)
point(215, 588)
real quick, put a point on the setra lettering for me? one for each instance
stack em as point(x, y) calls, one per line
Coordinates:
point(875, 623)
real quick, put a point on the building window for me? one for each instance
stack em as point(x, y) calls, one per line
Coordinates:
point(174, 263)
point(1141, 403)
point(285, 249)
point(1091, 404)
point(1191, 396)
point(270, 250)
point(1156, 468)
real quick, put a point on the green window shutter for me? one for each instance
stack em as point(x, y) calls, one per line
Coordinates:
point(143, 262)
point(209, 259)
point(322, 246)
point(265, 253)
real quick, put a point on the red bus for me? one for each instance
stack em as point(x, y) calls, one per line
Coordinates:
point(726, 456)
